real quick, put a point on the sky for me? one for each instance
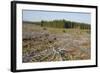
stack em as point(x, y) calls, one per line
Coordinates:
point(34, 16)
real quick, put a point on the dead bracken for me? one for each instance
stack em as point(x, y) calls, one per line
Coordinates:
point(51, 44)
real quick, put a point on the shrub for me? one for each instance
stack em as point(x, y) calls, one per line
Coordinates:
point(44, 28)
point(64, 31)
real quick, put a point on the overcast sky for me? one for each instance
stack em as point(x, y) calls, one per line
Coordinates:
point(31, 15)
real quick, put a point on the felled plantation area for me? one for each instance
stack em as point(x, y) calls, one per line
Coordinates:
point(57, 40)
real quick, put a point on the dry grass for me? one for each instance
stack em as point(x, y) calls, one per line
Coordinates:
point(53, 44)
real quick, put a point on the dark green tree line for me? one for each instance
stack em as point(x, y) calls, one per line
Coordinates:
point(64, 24)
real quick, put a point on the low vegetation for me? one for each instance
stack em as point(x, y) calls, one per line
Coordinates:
point(57, 40)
